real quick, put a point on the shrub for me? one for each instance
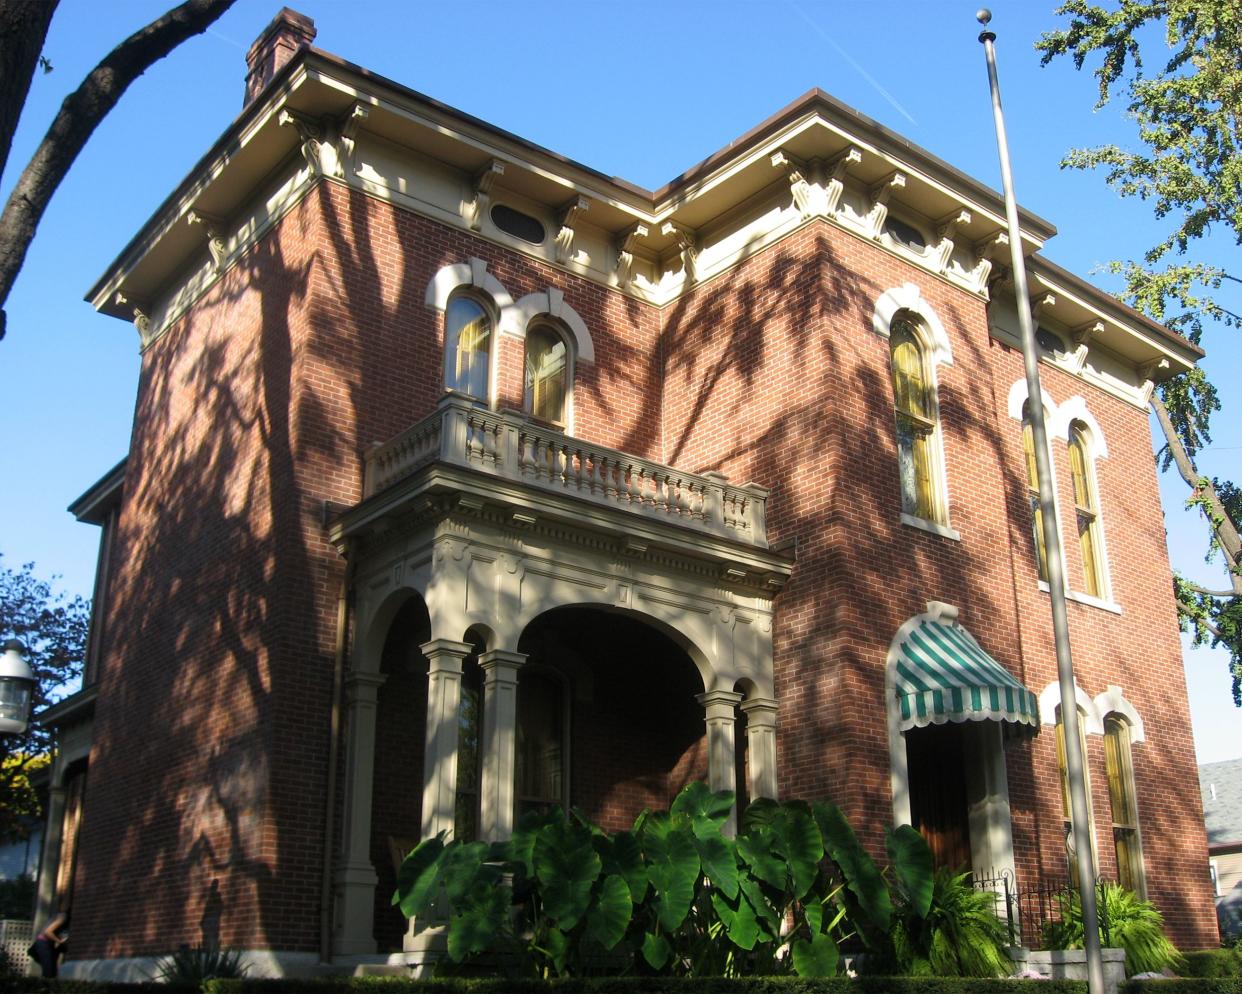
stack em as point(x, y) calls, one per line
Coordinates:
point(1212, 963)
point(958, 936)
point(191, 966)
point(1128, 921)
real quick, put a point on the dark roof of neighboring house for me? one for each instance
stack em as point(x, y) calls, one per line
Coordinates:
point(1222, 813)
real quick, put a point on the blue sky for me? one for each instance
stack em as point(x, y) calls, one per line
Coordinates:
point(640, 90)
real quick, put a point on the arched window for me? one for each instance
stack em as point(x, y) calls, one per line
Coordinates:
point(1032, 494)
point(1063, 769)
point(1121, 799)
point(467, 346)
point(1086, 510)
point(541, 766)
point(916, 423)
point(548, 373)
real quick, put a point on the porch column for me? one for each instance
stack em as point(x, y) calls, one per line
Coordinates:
point(355, 878)
point(49, 861)
point(720, 708)
point(761, 746)
point(987, 787)
point(440, 756)
point(500, 681)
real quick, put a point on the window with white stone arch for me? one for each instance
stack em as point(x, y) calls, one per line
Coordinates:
point(918, 346)
point(472, 302)
point(1123, 729)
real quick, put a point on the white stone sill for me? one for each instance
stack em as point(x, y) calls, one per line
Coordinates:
point(1078, 598)
point(935, 527)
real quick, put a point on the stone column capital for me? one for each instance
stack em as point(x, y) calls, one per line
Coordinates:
point(760, 712)
point(502, 664)
point(445, 655)
point(363, 687)
point(719, 705)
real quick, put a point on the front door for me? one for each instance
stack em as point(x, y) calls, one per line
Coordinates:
point(938, 807)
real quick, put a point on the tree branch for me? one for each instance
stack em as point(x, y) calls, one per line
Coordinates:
point(1209, 593)
point(76, 121)
point(1200, 620)
point(23, 30)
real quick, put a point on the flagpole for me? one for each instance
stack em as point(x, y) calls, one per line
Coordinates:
point(1055, 558)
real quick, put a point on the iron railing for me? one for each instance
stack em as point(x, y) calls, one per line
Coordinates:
point(1030, 910)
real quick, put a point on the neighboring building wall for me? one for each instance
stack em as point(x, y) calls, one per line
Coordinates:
point(1229, 891)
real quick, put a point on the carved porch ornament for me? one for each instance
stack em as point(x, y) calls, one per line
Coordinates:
point(565, 237)
point(1148, 372)
point(687, 246)
point(626, 246)
point(1082, 336)
point(473, 211)
point(946, 229)
point(985, 251)
point(880, 194)
point(214, 228)
point(142, 319)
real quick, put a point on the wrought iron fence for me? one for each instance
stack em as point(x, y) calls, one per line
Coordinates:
point(1031, 910)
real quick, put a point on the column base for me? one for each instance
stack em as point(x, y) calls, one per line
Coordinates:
point(354, 910)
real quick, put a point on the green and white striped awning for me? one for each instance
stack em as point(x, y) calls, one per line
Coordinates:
point(942, 675)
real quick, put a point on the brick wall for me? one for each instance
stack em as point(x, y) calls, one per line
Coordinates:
point(211, 731)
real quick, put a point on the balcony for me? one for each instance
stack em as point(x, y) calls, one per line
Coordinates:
point(533, 471)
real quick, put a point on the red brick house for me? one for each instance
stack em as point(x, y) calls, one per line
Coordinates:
point(466, 479)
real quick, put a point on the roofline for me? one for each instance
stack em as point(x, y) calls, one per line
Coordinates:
point(93, 505)
point(1043, 265)
point(652, 201)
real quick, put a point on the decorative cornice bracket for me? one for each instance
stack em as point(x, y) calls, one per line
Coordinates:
point(985, 251)
point(880, 194)
point(1042, 303)
point(1148, 373)
point(627, 244)
point(142, 317)
point(214, 228)
point(837, 168)
point(946, 229)
point(803, 193)
point(474, 210)
point(687, 246)
point(566, 218)
point(1082, 336)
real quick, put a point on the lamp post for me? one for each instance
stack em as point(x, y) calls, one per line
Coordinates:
point(17, 682)
point(1075, 760)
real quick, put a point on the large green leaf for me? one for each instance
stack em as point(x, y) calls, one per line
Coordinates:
point(862, 876)
point(672, 868)
point(609, 914)
point(464, 867)
point(718, 857)
point(656, 950)
point(521, 845)
point(621, 853)
point(797, 838)
point(758, 850)
point(556, 943)
point(418, 877)
point(813, 913)
point(475, 922)
point(911, 858)
point(739, 920)
point(567, 867)
point(766, 913)
point(817, 958)
point(758, 812)
point(706, 810)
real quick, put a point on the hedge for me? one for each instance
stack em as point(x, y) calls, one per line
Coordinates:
point(585, 985)
point(1213, 963)
point(1184, 985)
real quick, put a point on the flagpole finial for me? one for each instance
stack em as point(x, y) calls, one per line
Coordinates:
point(983, 15)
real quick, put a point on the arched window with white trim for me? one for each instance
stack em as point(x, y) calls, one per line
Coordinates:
point(549, 373)
point(1032, 493)
point(468, 328)
point(1063, 771)
point(1087, 512)
point(1121, 798)
point(918, 422)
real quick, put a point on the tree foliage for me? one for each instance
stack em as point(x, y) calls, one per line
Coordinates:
point(1187, 108)
point(53, 628)
point(23, 30)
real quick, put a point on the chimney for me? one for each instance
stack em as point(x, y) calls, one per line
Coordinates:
point(279, 42)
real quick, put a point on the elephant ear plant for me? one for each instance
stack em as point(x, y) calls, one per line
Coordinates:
point(673, 895)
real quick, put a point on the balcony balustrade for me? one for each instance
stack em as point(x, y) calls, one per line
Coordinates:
point(515, 448)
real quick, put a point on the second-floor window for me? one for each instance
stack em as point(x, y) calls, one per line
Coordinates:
point(915, 403)
point(548, 373)
point(1032, 496)
point(1086, 512)
point(467, 346)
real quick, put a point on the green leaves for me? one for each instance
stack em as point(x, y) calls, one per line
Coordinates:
point(911, 859)
point(675, 894)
